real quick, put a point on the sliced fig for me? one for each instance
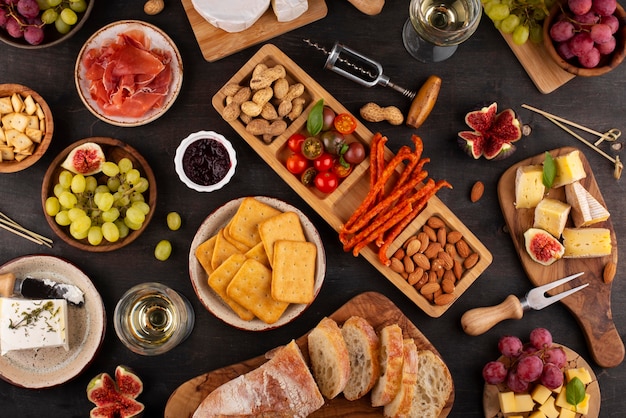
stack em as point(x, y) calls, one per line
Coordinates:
point(128, 383)
point(112, 399)
point(542, 247)
point(493, 133)
point(85, 159)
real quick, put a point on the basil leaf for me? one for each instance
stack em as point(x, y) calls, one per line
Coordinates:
point(315, 120)
point(575, 391)
point(549, 170)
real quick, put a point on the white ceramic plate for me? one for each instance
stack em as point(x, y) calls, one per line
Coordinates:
point(49, 367)
point(212, 302)
point(159, 40)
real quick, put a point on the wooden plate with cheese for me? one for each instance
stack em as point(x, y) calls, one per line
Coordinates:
point(597, 324)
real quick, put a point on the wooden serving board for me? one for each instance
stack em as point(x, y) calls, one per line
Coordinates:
point(541, 68)
point(216, 43)
point(374, 307)
point(590, 306)
point(337, 207)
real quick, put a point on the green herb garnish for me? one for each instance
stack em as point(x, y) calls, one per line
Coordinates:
point(315, 120)
point(575, 391)
point(549, 171)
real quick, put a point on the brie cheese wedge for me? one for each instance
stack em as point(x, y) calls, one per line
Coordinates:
point(231, 15)
point(586, 210)
point(287, 10)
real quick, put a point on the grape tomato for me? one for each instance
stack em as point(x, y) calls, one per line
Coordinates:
point(328, 118)
point(297, 163)
point(312, 147)
point(341, 170)
point(326, 181)
point(295, 142)
point(345, 123)
point(332, 141)
point(324, 162)
point(308, 177)
point(355, 153)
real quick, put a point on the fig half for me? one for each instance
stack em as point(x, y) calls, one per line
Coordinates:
point(85, 159)
point(542, 247)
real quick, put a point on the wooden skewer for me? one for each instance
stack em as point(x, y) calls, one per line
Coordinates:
point(12, 226)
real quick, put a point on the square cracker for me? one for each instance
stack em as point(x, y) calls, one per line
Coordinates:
point(258, 253)
point(293, 275)
point(223, 249)
point(222, 277)
point(204, 253)
point(245, 222)
point(285, 226)
point(251, 288)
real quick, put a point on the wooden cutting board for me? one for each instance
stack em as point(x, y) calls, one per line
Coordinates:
point(376, 308)
point(216, 43)
point(591, 306)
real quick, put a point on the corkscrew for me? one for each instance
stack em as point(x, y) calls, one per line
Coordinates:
point(357, 67)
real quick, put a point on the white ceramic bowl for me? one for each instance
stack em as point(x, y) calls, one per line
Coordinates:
point(159, 40)
point(180, 153)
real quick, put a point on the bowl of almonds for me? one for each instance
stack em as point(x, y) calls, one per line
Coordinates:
point(26, 127)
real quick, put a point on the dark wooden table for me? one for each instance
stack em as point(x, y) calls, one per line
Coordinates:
point(483, 70)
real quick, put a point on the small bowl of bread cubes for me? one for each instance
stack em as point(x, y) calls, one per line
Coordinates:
point(26, 127)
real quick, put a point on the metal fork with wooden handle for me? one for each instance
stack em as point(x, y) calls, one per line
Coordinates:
point(479, 320)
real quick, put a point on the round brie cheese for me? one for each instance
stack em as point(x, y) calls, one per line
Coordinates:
point(231, 15)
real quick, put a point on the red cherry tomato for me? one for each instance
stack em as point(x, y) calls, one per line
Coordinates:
point(341, 170)
point(324, 162)
point(296, 163)
point(295, 142)
point(345, 123)
point(326, 181)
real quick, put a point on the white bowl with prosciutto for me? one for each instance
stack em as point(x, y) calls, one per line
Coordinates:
point(129, 73)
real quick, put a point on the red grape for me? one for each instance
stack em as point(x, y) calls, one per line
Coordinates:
point(580, 44)
point(562, 31)
point(604, 7)
point(514, 382)
point(33, 35)
point(510, 346)
point(28, 8)
point(540, 338)
point(607, 47)
point(556, 356)
point(564, 51)
point(600, 33)
point(529, 368)
point(590, 59)
point(494, 372)
point(579, 7)
point(612, 21)
point(14, 28)
point(551, 376)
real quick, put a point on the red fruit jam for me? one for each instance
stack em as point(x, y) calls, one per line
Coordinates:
point(206, 161)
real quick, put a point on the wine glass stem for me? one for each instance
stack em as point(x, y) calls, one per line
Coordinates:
point(423, 50)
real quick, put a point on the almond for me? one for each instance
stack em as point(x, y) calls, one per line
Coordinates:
point(477, 191)
point(421, 261)
point(444, 299)
point(458, 269)
point(610, 269)
point(432, 235)
point(430, 288)
point(413, 247)
point(397, 265)
point(435, 222)
point(432, 250)
point(442, 236)
point(424, 241)
point(471, 261)
point(462, 248)
point(416, 276)
point(454, 237)
point(409, 265)
point(399, 254)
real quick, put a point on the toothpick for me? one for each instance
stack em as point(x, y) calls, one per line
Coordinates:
point(12, 226)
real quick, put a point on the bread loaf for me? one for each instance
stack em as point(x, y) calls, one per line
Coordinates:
point(434, 386)
point(281, 387)
point(363, 348)
point(391, 354)
point(403, 401)
point(329, 358)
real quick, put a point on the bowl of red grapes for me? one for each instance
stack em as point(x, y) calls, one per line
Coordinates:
point(586, 37)
point(32, 24)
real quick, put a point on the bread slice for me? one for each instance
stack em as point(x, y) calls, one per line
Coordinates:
point(329, 358)
point(403, 401)
point(391, 354)
point(434, 386)
point(281, 387)
point(363, 348)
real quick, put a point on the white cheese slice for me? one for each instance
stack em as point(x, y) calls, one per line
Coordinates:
point(27, 324)
point(231, 15)
point(586, 242)
point(551, 215)
point(586, 210)
point(287, 10)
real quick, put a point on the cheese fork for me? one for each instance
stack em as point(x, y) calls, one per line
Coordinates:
point(479, 320)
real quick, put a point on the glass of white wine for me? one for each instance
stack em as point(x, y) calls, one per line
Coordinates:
point(151, 319)
point(435, 28)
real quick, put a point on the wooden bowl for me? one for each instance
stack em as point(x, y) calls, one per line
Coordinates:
point(40, 148)
point(607, 63)
point(51, 36)
point(114, 150)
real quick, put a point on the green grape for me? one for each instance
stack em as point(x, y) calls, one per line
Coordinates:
point(122, 201)
point(53, 3)
point(43, 4)
point(102, 188)
point(509, 24)
point(61, 26)
point(136, 197)
point(113, 183)
point(76, 213)
point(49, 16)
point(76, 233)
point(78, 6)
point(110, 169)
point(498, 11)
point(142, 185)
point(132, 176)
point(65, 179)
point(125, 164)
point(68, 16)
point(91, 184)
point(104, 201)
point(94, 236)
point(536, 34)
point(520, 34)
point(52, 206)
point(67, 199)
point(110, 232)
point(110, 215)
point(58, 189)
point(173, 221)
point(135, 216)
point(131, 225)
point(78, 184)
point(142, 206)
point(62, 218)
point(122, 228)
point(163, 250)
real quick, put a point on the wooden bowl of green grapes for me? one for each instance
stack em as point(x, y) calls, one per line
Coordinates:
point(34, 24)
point(103, 206)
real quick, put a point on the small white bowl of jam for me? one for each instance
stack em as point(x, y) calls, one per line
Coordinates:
point(205, 161)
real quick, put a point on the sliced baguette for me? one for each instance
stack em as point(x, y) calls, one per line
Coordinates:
point(434, 386)
point(363, 348)
point(281, 387)
point(329, 357)
point(403, 401)
point(391, 354)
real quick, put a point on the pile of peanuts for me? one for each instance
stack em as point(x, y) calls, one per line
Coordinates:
point(264, 104)
point(434, 260)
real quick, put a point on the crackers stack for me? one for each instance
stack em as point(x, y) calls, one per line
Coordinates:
point(260, 262)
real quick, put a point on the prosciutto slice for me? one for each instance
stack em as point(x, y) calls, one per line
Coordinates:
point(128, 78)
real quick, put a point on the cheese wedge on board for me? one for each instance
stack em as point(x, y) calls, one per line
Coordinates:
point(586, 242)
point(569, 168)
point(586, 210)
point(551, 215)
point(529, 188)
point(231, 15)
point(288, 10)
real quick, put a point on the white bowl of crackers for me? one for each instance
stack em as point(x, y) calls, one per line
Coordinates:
point(257, 263)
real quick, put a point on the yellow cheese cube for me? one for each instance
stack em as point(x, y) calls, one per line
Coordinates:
point(507, 402)
point(566, 413)
point(529, 188)
point(540, 394)
point(586, 242)
point(524, 402)
point(551, 215)
point(569, 168)
point(581, 408)
point(581, 373)
point(537, 414)
point(549, 409)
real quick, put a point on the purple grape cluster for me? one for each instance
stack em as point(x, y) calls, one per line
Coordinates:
point(539, 360)
point(585, 31)
point(20, 19)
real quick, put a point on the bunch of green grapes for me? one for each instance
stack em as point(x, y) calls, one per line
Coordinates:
point(95, 211)
point(523, 19)
point(61, 13)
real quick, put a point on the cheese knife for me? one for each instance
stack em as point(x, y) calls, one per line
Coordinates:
point(30, 287)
